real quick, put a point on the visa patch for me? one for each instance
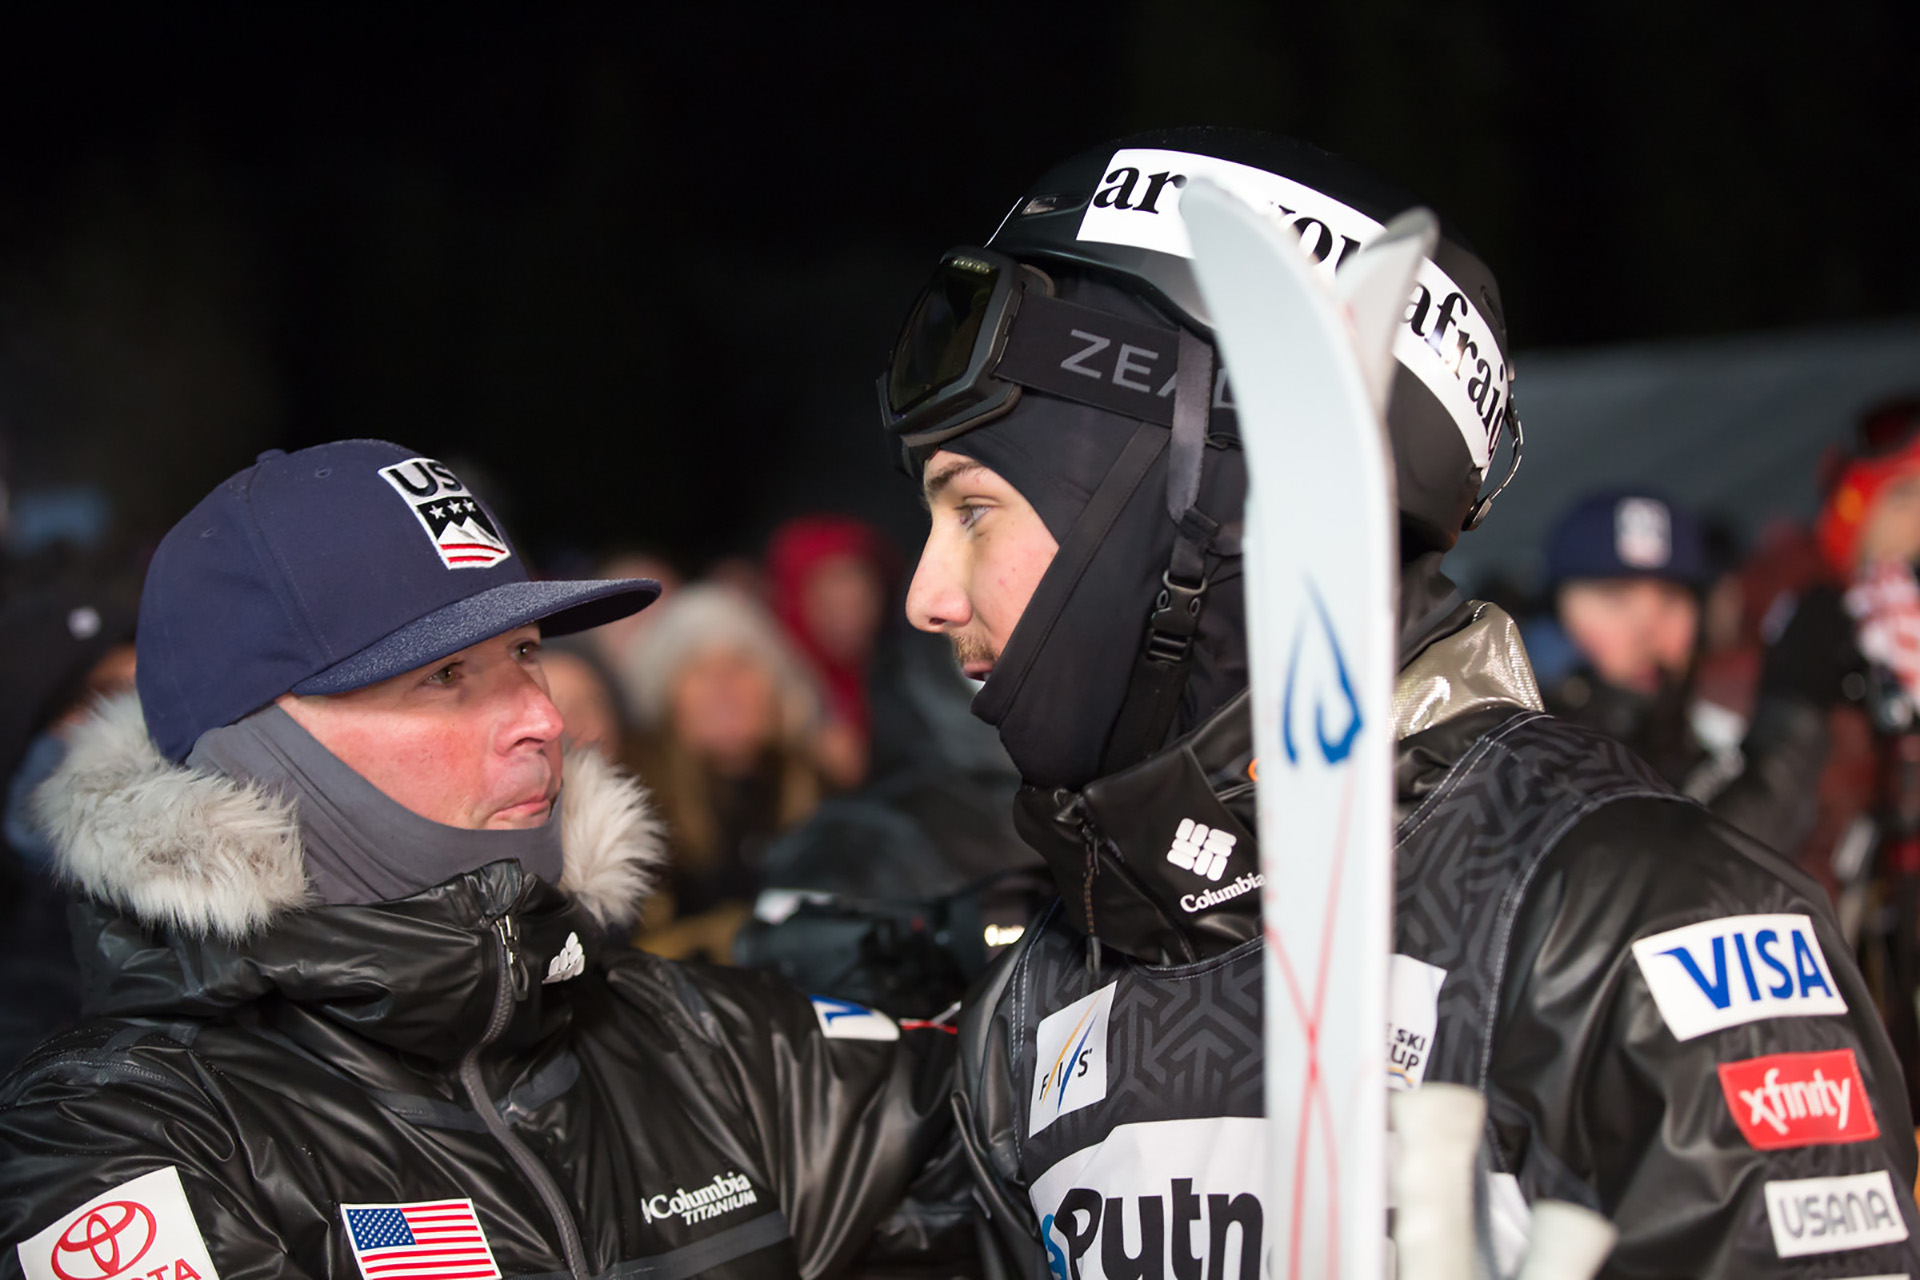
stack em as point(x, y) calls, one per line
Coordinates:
point(141, 1229)
point(1721, 973)
point(1827, 1215)
point(845, 1020)
point(1799, 1099)
point(1070, 1071)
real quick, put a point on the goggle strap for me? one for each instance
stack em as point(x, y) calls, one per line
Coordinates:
point(1093, 357)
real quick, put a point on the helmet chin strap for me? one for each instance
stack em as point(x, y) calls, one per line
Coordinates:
point(1166, 657)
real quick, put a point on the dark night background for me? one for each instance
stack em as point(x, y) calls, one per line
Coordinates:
point(639, 265)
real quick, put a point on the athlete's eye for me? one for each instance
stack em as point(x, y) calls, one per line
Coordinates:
point(970, 514)
point(445, 675)
point(526, 649)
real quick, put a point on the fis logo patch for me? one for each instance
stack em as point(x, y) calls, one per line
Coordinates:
point(1721, 973)
point(1799, 1099)
point(1201, 849)
point(1071, 1069)
point(141, 1229)
point(845, 1020)
point(462, 531)
point(1827, 1215)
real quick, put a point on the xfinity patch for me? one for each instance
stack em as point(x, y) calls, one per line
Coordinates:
point(1165, 1198)
point(141, 1230)
point(1413, 1016)
point(1445, 341)
point(844, 1020)
point(458, 526)
point(1799, 1099)
point(1827, 1215)
point(1721, 973)
point(1071, 1069)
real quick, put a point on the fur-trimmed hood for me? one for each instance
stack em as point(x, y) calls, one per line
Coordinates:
point(202, 855)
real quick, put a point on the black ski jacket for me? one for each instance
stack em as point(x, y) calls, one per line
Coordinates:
point(343, 1090)
point(1660, 1012)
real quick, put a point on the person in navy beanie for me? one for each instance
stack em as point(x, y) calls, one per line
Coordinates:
point(342, 915)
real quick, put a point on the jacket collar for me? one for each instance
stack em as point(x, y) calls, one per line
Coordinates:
point(205, 856)
point(1107, 843)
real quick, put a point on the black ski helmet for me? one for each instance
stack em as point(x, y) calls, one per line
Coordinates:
point(1112, 211)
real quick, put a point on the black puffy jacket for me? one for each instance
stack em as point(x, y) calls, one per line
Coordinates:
point(460, 1083)
point(1660, 1012)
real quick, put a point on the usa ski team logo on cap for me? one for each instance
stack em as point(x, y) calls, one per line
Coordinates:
point(430, 1239)
point(462, 531)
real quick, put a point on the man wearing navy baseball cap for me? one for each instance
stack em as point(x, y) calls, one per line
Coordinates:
point(342, 911)
point(1626, 574)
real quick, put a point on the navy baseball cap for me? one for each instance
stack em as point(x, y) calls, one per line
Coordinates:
point(331, 569)
point(1626, 535)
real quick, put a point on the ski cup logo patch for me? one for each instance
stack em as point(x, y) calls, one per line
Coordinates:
point(1070, 1071)
point(1413, 1018)
point(1721, 973)
point(1643, 533)
point(461, 529)
point(141, 1230)
point(1799, 1099)
point(1827, 1215)
point(1445, 340)
point(1201, 849)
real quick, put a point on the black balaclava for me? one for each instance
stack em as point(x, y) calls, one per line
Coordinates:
point(1059, 684)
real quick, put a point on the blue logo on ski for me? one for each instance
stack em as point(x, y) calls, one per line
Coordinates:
point(1333, 751)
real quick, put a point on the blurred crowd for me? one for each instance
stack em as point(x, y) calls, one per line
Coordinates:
point(834, 812)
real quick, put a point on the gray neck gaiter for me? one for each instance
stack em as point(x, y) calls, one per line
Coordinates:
point(361, 846)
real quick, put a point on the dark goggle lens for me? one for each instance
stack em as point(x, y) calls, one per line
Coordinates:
point(936, 348)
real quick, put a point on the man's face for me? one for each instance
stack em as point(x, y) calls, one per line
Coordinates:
point(986, 551)
point(470, 741)
point(1632, 629)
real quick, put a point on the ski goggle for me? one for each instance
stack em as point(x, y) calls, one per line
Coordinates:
point(985, 326)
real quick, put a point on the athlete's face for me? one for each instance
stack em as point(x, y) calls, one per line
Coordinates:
point(986, 551)
point(470, 741)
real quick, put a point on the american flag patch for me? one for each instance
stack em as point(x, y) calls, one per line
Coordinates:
point(432, 1240)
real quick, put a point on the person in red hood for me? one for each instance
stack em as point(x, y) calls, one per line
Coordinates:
point(830, 577)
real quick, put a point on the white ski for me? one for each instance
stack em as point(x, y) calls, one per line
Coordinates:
point(1310, 363)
